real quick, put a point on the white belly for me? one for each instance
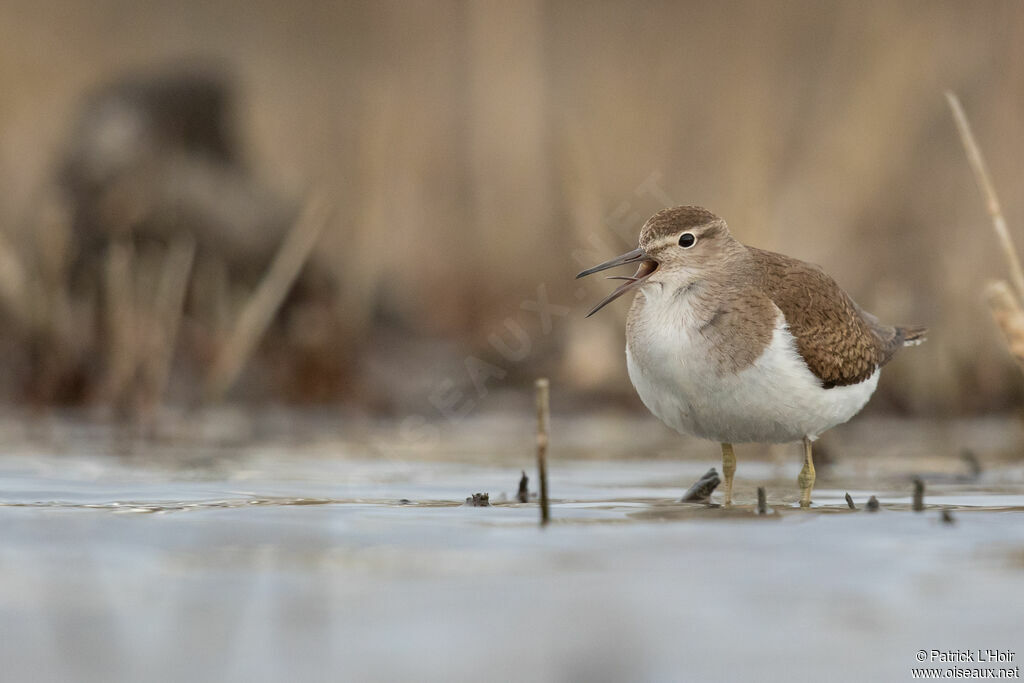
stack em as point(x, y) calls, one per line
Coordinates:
point(774, 400)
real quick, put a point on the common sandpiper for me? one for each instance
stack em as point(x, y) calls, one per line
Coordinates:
point(737, 344)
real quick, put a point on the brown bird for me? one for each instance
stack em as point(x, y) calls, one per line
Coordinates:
point(737, 344)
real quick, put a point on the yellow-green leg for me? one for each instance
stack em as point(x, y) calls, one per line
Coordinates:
point(728, 469)
point(806, 478)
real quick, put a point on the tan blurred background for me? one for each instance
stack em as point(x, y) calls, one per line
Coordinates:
point(474, 152)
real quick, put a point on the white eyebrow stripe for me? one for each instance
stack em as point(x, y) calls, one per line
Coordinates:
point(664, 242)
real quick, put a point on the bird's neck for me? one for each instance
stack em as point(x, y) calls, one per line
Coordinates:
point(705, 286)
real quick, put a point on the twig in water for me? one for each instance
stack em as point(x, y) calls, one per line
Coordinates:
point(479, 500)
point(918, 495)
point(849, 502)
point(524, 491)
point(973, 464)
point(947, 516)
point(701, 490)
point(762, 501)
point(543, 418)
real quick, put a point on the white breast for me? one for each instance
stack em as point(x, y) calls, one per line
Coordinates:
point(774, 400)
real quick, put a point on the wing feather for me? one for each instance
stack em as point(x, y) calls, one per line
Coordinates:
point(841, 343)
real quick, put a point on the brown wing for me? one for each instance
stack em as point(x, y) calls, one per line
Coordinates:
point(840, 343)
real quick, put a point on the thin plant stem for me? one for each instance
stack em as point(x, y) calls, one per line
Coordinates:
point(988, 191)
point(543, 420)
point(259, 310)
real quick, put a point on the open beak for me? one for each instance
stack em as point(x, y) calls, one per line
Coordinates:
point(647, 266)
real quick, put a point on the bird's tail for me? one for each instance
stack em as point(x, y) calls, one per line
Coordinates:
point(912, 335)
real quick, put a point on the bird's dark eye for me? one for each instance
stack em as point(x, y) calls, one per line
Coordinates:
point(687, 240)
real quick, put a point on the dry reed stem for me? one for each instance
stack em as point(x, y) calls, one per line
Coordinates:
point(984, 181)
point(762, 501)
point(259, 310)
point(13, 282)
point(543, 419)
point(54, 314)
point(120, 319)
point(523, 495)
point(212, 295)
point(168, 309)
point(918, 495)
point(1008, 316)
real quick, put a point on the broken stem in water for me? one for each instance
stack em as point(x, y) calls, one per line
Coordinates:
point(523, 495)
point(543, 418)
point(762, 501)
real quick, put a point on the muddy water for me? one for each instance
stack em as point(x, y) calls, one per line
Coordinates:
point(333, 555)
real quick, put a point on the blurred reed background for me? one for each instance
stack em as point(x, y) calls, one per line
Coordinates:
point(443, 160)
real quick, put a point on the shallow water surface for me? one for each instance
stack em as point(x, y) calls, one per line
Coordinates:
point(348, 559)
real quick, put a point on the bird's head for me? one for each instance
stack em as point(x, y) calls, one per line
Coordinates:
point(676, 245)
